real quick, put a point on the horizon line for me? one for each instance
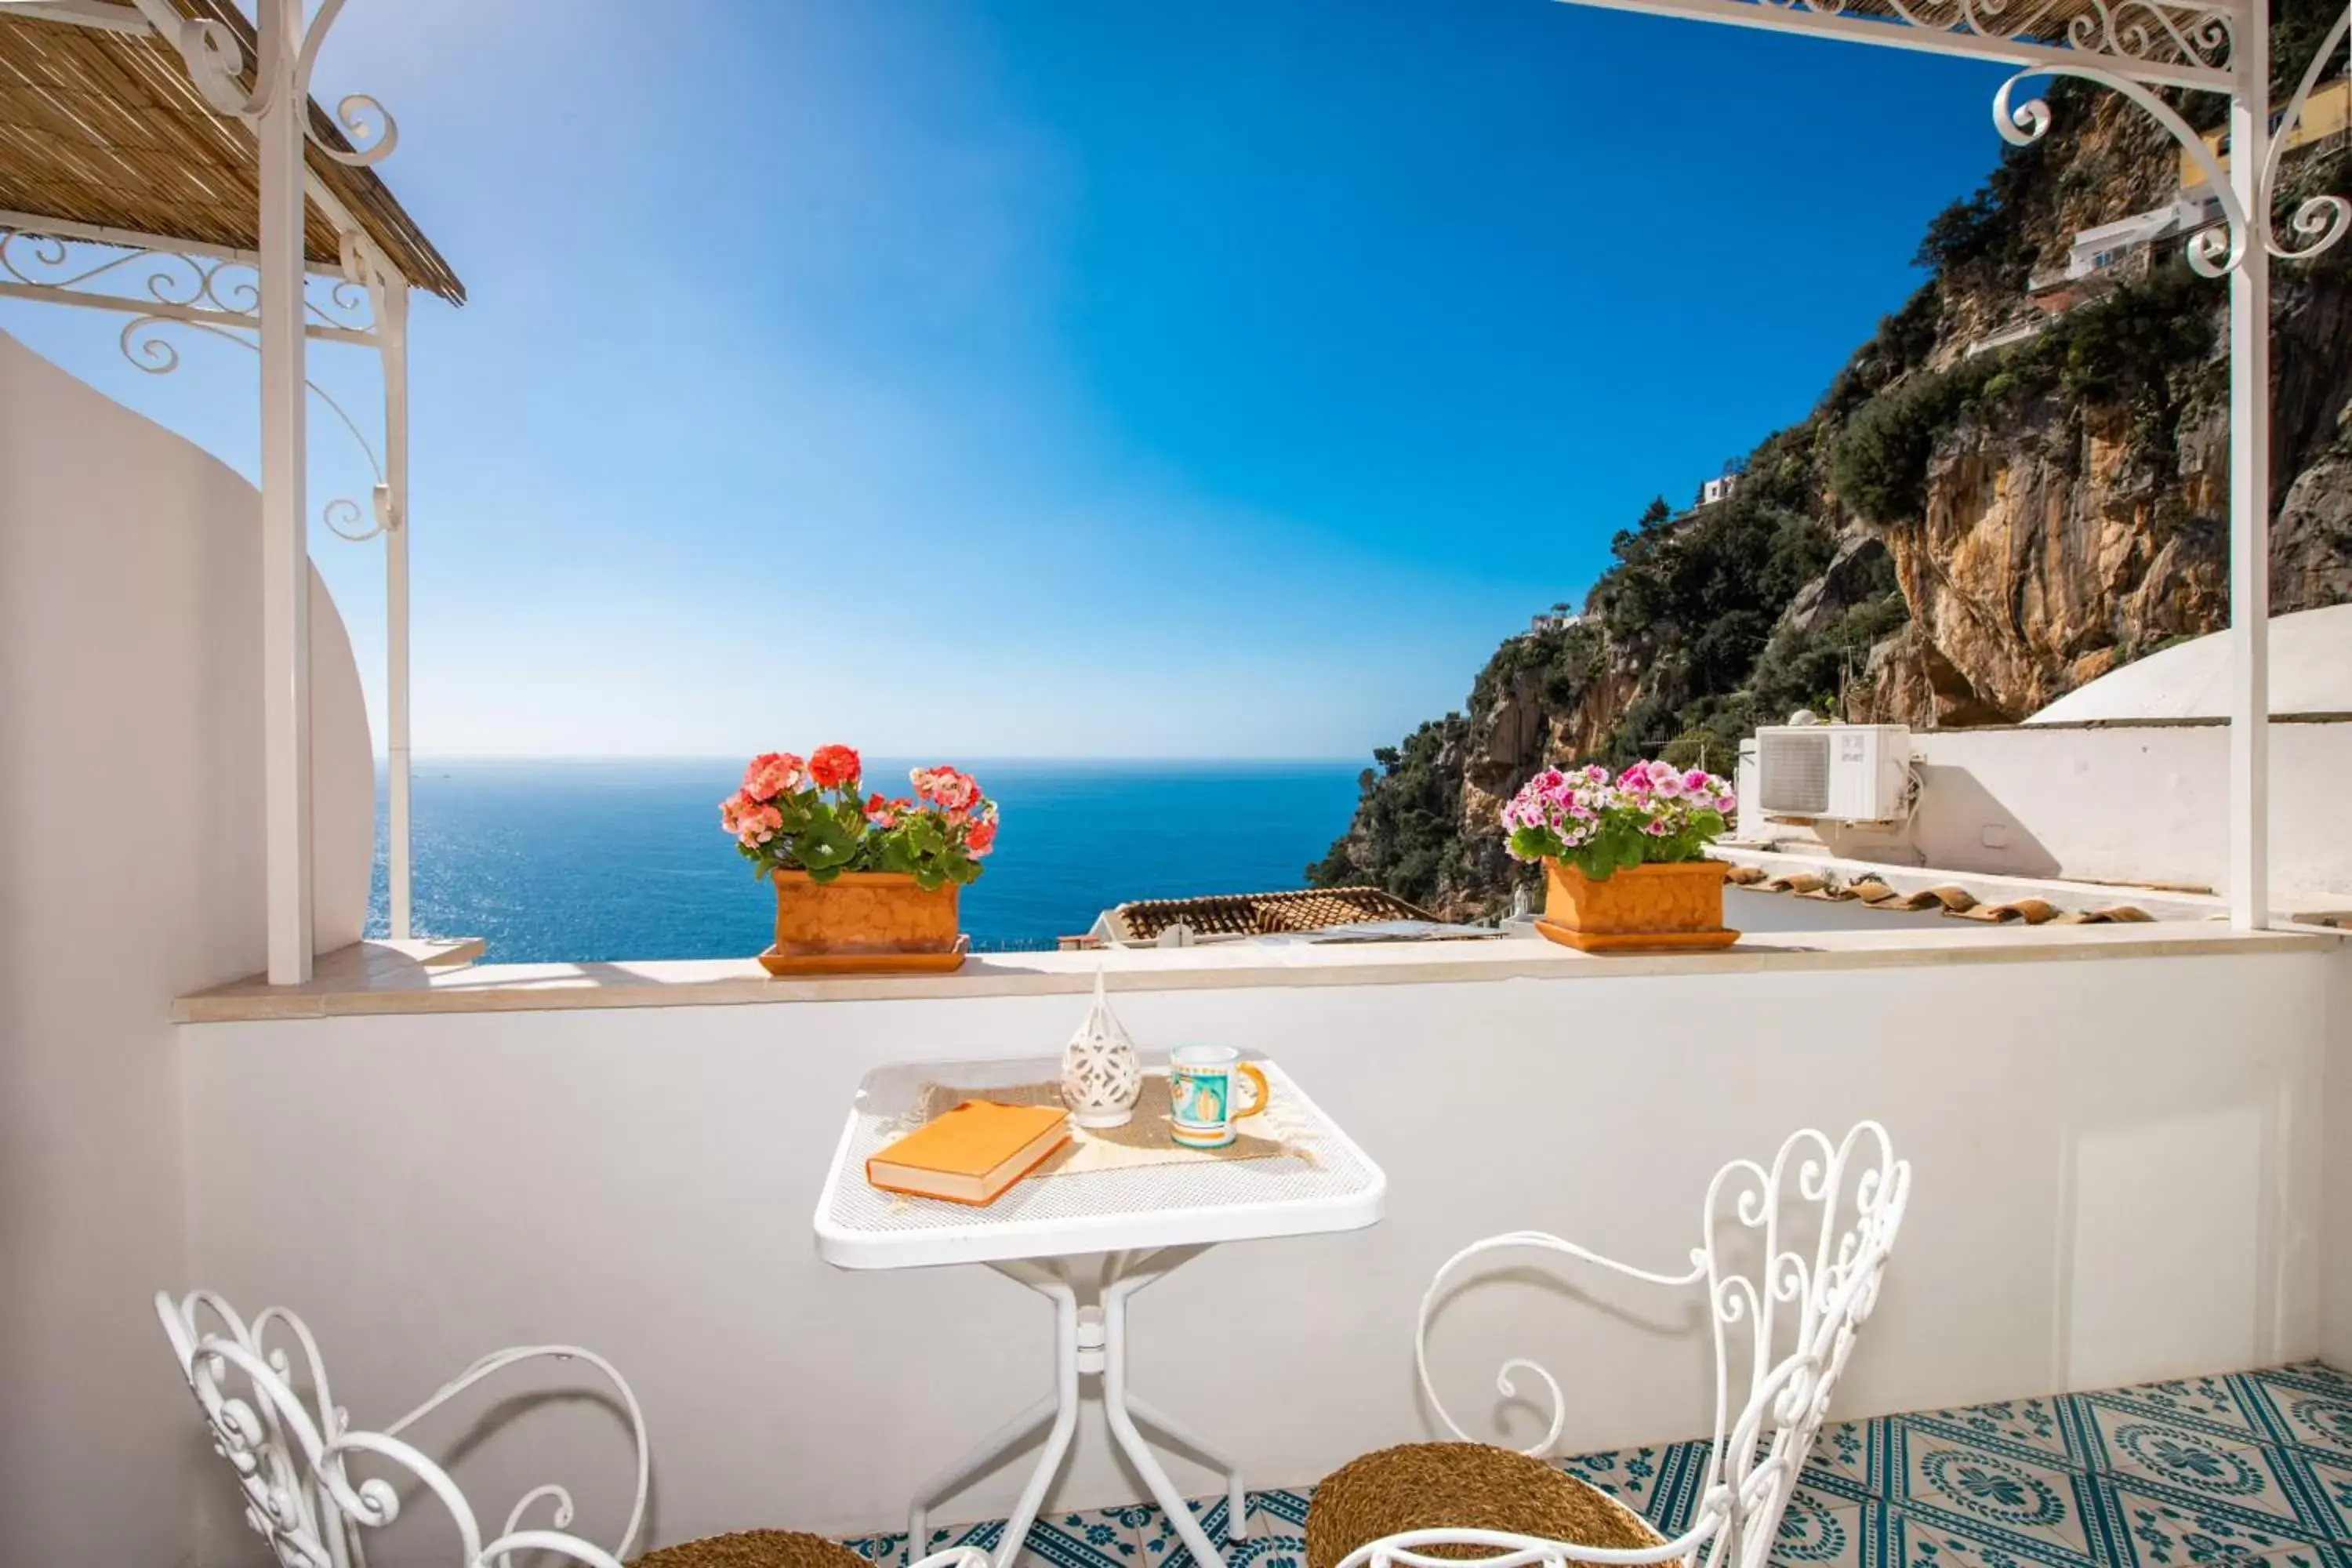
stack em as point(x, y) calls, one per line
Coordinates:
point(418, 759)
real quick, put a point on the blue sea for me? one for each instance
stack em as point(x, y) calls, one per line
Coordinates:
point(581, 860)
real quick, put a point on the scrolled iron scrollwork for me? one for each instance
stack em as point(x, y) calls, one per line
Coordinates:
point(1789, 1317)
point(212, 56)
point(2173, 33)
point(2211, 252)
point(2151, 31)
point(368, 126)
point(63, 265)
point(366, 123)
point(215, 60)
point(2322, 220)
point(2316, 223)
point(293, 1457)
point(223, 285)
point(144, 345)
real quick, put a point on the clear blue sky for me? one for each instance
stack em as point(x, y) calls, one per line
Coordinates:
point(1071, 377)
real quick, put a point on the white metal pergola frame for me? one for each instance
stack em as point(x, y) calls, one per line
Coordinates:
point(2134, 48)
point(262, 299)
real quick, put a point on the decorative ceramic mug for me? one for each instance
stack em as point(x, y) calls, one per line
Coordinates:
point(1202, 1085)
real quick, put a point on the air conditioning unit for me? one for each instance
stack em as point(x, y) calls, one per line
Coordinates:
point(1834, 772)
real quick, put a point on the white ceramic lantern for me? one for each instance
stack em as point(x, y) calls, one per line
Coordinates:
point(1101, 1076)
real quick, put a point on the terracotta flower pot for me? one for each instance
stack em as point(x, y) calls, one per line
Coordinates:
point(1646, 909)
point(862, 921)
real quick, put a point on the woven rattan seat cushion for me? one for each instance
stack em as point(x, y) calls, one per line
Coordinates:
point(755, 1549)
point(1470, 1486)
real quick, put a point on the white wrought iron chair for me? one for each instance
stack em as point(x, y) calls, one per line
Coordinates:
point(293, 1459)
point(1792, 1258)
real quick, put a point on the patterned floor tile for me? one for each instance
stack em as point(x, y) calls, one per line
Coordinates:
point(2251, 1469)
point(1277, 1511)
point(1819, 1530)
point(1268, 1551)
point(1844, 1449)
point(2309, 1406)
point(2329, 1484)
point(2211, 1404)
point(2033, 1510)
point(2199, 1468)
point(1161, 1547)
point(882, 1550)
point(1660, 1483)
point(2153, 1531)
point(1097, 1538)
point(2309, 1556)
point(890, 1550)
point(2124, 1440)
point(1922, 1541)
point(2038, 1429)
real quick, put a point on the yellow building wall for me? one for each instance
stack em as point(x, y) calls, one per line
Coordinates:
point(2326, 113)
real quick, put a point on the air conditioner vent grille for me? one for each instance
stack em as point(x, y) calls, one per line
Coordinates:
point(1796, 774)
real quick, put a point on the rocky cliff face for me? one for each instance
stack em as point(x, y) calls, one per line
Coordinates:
point(1958, 535)
point(2068, 537)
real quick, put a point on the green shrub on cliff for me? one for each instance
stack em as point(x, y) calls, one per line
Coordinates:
point(2145, 346)
point(1405, 836)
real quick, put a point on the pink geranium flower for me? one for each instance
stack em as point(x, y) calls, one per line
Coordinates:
point(946, 788)
point(938, 833)
point(772, 774)
point(1562, 815)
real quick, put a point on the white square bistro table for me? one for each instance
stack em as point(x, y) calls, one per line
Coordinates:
point(1087, 1242)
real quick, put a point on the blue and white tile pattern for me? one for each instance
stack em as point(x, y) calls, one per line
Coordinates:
point(2250, 1468)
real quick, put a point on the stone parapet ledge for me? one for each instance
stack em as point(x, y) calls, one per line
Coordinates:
point(376, 978)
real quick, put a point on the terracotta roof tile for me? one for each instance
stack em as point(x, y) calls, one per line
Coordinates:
point(1261, 914)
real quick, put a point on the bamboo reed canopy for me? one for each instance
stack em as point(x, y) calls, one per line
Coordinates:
point(105, 128)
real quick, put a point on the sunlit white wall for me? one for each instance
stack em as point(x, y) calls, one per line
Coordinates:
point(130, 839)
point(2117, 1176)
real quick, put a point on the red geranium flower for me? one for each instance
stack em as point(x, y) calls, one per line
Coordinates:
point(833, 767)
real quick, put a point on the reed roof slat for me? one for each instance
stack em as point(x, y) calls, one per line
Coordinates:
point(105, 128)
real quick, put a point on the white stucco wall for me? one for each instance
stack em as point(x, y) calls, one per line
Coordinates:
point(2089, 1137)
point(130, 832)
point(2145, 804)
point(2336, 1228)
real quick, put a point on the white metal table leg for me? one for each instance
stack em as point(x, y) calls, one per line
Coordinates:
point(1054, 1285)
point(1009, 1440)
point(1089, 1337)
point(1236, 1504)
point(1119, 1408)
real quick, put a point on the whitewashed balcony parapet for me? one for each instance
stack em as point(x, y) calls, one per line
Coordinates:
point(363, 980)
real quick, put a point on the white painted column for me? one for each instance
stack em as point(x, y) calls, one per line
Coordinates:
point(2249, 488)
point(285, 545)
point(392, 329)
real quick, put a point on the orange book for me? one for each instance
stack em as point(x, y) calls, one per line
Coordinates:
point(970, 1154)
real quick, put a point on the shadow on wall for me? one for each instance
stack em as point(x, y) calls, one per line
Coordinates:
point(1972, 830)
